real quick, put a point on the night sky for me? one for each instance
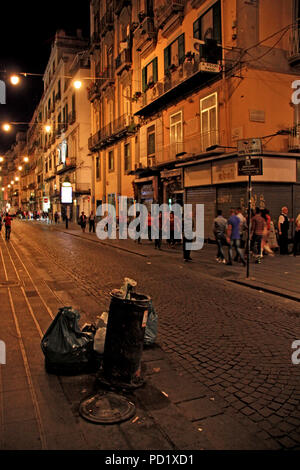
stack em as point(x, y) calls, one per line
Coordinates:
point(27, 30)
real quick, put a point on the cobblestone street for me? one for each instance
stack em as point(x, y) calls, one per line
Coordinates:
point(230, 340)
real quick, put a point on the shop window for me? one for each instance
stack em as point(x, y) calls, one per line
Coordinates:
point(208, 26)
point(209, 121)
point(174, 54)
point(127, 158)
point(111, 163)
point(149, 74)
point(176, 134)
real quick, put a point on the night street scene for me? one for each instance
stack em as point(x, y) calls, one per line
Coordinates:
point(150, 229)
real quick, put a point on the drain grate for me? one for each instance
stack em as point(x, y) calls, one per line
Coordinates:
point(107, 408)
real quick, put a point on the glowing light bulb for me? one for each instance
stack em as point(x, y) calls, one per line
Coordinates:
point(14, 80)
point(77, 84)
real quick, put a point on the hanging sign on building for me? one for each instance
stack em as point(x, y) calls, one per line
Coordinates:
point(249, 147)
point(66, 193)
point(208, 67)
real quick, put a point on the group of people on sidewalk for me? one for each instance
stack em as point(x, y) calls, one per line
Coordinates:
point(83, 219)
point(7, 220)
point(233, 233)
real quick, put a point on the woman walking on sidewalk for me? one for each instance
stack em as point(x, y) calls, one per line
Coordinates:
point(82, 221)
point(7, 222)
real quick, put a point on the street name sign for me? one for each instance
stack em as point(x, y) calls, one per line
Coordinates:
point(208, 67)
point(250, 167)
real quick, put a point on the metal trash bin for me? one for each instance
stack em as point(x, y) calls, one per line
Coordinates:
point(123, 347)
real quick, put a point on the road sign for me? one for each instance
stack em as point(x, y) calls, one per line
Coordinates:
point(250, 167)
point(208, 67)
point(249, 147)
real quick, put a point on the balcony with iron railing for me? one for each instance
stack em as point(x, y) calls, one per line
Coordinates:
point(107, 22)
point(123, 61)
point(167, 9)
point(294, 139)
point(180, 80)
point(82, 188)
point(120, 127)
point(94, 91)
point(294, 47)
point(69, 164)
point(192, 146)
point(145, 35)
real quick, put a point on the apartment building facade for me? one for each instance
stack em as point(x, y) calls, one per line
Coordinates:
point(199, 76)
point(64, 121)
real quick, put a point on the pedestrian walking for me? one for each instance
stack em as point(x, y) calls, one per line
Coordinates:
point(233, 237)
point(297, 235)
point(185, 241)
point(7, 222)
point(258, 226)
point(243, 225)
point(283, 231)
point(149, 223)
point(265, 247)
point(1, 222)
point(82, 221)
point(56, 217)
point(219, 230)
point(171, 241)
point(157, 241)
point(92, 222)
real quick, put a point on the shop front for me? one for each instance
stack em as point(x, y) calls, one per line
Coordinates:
point(171, 183)
point(216, 184)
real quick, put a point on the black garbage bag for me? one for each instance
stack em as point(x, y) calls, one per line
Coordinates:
point(67, 350)
point(151, 326)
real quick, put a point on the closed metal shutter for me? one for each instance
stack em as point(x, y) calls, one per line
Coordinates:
point(206, 196)
point(232, 196)
point(296, 199)
point(273, 197)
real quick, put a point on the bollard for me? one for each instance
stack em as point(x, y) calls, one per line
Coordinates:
point(124, 340)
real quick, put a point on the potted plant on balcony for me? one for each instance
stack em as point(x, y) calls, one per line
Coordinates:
point(189, 56)
point(136, 96)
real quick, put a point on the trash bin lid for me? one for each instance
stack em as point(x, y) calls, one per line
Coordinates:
point(106, 408)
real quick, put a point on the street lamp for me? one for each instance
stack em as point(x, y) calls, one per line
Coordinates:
point(1, 159)
point(26, 159)
point(6, 127)
point(20, 168)
point(48, 128)
point(77, 84)
point(14, 80)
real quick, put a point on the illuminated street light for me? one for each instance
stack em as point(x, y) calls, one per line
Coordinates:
point(3, 189)
point(12, 182)
point(17, 178)
point(77, 84)
point(48, 128)
point(26, 159)
point(1, 159)
point(14, 80)
point(6, 127)
point(20, 168)
point(8, 186)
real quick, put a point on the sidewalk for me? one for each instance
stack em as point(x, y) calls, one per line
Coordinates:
point(279, 275)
